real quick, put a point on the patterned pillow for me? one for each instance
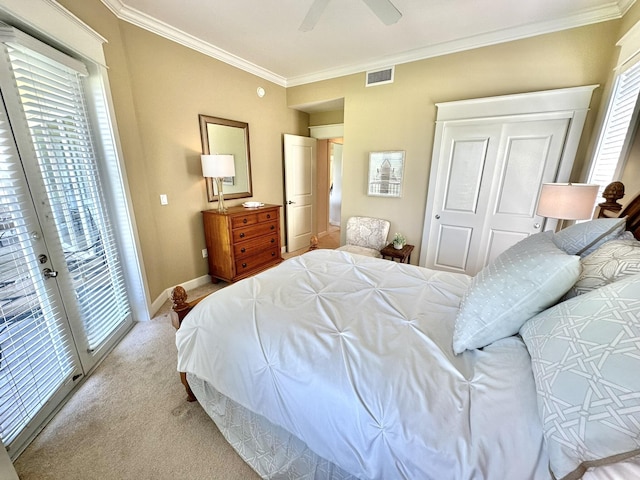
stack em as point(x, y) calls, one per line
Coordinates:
point(611, 262)
point(583, 238)
point(585, 354)
point(522, 281)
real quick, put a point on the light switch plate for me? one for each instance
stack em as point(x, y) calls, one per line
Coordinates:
point(163, 199)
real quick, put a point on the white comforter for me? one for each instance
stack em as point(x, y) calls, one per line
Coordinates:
point(353, 355)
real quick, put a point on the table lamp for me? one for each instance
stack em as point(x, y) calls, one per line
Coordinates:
point(567, 201)
point(218, 167)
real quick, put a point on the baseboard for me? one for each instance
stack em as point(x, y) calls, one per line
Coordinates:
point(188, 285)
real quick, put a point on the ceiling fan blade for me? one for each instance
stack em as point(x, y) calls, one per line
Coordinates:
point(384, 10)
point(313, 15)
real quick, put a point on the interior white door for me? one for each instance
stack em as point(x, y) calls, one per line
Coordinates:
point(485, 200)
point(528, 156)
point(300, 186)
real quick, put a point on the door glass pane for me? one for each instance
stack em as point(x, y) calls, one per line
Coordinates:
point(53, 101)
point(36, 357)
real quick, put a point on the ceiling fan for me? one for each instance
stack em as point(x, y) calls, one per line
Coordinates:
point(384, 10)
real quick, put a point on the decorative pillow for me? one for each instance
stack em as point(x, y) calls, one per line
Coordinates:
point(611, 262)
point(522, 281)
point(583, 238)
point(585, 354)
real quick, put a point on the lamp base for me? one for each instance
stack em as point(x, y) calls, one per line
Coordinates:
point(221, 206)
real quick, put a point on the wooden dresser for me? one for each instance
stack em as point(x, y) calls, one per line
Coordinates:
point(242, 241)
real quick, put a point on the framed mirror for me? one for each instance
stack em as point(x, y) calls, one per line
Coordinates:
point(222, 136)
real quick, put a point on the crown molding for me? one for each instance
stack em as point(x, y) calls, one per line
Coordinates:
point(57, 24)
point(611, 11)
point(596, 15)
point(142, 20)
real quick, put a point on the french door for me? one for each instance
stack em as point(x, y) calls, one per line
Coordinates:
point(63, 302)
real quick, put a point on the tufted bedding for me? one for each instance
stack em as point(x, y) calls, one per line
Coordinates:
point(352, 356)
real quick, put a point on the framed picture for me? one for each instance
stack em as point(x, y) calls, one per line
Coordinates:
point(386, 170)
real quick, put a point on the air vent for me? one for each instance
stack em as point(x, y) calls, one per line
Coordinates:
point(380, 77)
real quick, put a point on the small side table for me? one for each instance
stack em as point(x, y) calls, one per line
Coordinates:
point(403, 255)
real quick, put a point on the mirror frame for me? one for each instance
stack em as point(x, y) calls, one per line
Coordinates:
point(205, 122)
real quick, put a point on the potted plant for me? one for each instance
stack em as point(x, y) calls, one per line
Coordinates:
point(399, 241)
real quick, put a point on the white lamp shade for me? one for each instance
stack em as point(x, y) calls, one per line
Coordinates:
point(218, 166)
point(567, 201)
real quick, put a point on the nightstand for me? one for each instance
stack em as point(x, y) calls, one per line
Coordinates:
point(403, 255)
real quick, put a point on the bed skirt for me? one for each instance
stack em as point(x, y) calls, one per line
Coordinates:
point(270, 450)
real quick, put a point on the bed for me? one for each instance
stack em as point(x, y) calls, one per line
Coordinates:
point(340, 366)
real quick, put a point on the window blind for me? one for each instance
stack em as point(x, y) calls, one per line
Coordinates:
point(54, 105)
point(616, 127)
point(35, 349)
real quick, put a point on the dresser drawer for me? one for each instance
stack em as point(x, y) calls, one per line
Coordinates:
point(255, 245)
point(266, 216)
point(244, 220)
point(253, 231)
point(246, 265)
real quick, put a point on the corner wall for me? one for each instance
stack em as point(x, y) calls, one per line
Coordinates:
point(401, 116)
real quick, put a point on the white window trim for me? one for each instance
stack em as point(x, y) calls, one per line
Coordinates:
point(63, 29)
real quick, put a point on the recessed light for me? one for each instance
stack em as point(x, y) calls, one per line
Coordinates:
point(261, 92)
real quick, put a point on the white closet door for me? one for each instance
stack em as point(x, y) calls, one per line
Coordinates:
point(490, 158)
point(460, 207)
point(486, 197)
point(528, 156)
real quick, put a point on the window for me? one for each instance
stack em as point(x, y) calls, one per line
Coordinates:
point(617, 130)
point(63, 298)
point(619, 125)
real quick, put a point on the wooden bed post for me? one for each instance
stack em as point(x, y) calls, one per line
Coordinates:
point(179, 310)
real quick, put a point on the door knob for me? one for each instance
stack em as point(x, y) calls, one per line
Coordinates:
point(48, 273)
point(289, 202)
point(536, 226)
point(437, 217)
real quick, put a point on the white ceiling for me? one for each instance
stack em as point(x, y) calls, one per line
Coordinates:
point(262, 36)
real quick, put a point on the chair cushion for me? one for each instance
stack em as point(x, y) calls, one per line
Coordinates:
point(367, 232)
point(369, 252)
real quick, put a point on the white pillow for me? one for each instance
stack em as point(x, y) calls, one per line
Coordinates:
point(611, 262)
point(585, 354)
point(583, 238)
point(524, 280)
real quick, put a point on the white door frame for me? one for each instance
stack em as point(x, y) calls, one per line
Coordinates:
point(572, 103)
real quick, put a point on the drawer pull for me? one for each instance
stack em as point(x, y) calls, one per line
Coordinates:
point(244, 265)
point(273, 254)
point(268, 215)
point(273, 240)
point(272, 227)
point(242, 235)
point(244, 220)
point(242, 250)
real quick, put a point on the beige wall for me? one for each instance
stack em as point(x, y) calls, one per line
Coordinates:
point(401, 116)
point(159, 88)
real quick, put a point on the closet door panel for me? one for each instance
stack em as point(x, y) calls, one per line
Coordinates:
point(461, 199)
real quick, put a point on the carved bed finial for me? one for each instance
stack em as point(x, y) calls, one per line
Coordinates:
point(313, 242)
point(612, 193)
point(179, 298)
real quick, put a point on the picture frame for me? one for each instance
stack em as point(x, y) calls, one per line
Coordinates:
point(386, 172)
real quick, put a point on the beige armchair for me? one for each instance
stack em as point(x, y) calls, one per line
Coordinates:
point(366, 236)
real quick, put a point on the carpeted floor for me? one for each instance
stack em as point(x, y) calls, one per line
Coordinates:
point(130, 420)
